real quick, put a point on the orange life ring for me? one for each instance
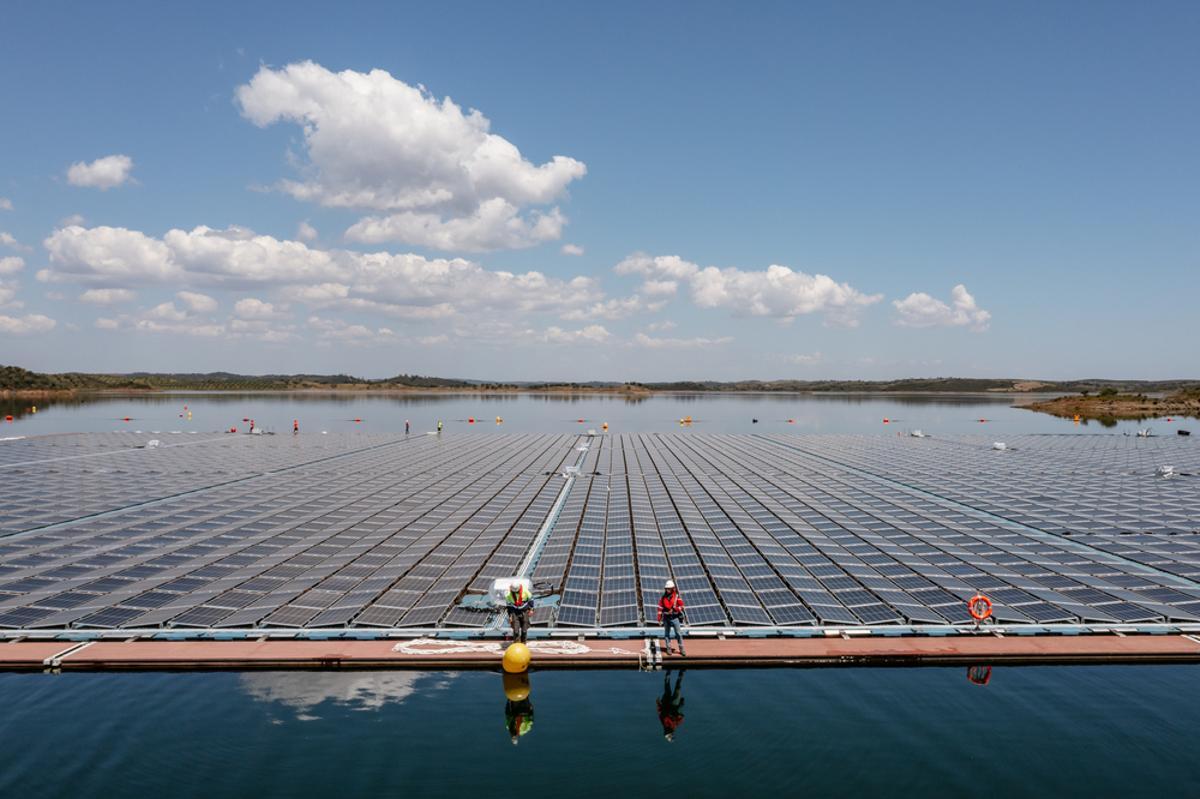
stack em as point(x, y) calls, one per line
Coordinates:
point(978, 613)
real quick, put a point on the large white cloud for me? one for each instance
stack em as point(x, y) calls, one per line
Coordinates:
point(436, 174)
point(107, 256)
point(103, 173)
point(777, 291)
point(26, 325)
point(921, 310)
point(402, 285)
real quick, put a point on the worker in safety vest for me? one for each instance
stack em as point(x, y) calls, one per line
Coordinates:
point(670, 706)
point(670, 615)
point(519, 603)
point(518, 718)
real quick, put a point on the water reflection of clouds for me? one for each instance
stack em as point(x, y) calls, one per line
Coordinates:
point(304, 691)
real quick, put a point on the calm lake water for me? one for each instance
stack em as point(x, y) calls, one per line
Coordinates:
point(726, 413)
point(1045, 731)
point(1051, 731)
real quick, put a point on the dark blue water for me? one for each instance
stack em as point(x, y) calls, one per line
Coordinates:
point(551, 413)
point(1046, 731)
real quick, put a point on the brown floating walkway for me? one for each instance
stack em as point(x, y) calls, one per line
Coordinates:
point(592, 654)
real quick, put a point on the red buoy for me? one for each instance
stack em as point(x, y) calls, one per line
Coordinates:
point(358, 421)
point(886, 420)
point(471, 420)
point(124, 418)
point(8, 418)
point(791, 421)
point(579, 420)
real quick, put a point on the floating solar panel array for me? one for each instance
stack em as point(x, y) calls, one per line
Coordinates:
point(102, 531)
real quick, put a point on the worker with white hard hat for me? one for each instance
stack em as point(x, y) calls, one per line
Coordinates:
point(670, 615)
point(519, 603)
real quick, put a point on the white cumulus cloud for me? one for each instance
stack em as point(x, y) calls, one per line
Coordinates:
point(616, 308)
point(306, 232)
point(435, 173)
point(921, 310)
point(572, 249)
point(592, 334)
point(5, 204)
point(26, 325)
point(199, 303)
point(11, 264)
point(107, 296)
point(103, 173)
point(253, 308)
point(107, 255)
point(777, 291)
point(664, 343)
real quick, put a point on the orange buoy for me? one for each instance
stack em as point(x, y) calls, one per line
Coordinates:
point(980, 607)
point(8, 418)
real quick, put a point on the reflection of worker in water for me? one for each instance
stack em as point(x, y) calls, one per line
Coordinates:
point(670, 706)
point(518, 717)
point(519, 604)
point(518, 710)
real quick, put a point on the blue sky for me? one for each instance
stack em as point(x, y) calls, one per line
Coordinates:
point(765, 191)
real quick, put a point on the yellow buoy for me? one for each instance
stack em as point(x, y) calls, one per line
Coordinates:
point(516, 687)
point(516, 658)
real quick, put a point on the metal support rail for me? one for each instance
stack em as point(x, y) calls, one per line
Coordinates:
point(600, 633)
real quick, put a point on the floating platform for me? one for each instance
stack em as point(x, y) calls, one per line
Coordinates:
point(427, 654)
point(786, 542)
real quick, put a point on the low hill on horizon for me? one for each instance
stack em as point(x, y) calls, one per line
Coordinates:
point(15, 378)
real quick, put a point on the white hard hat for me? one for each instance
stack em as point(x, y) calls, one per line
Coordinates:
point(670, 584)
point(514, 584)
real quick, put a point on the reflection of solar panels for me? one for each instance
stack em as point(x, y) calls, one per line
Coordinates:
point(378, 531)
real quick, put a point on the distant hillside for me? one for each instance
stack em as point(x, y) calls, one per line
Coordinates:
point(16, 379)
point(934, 384)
